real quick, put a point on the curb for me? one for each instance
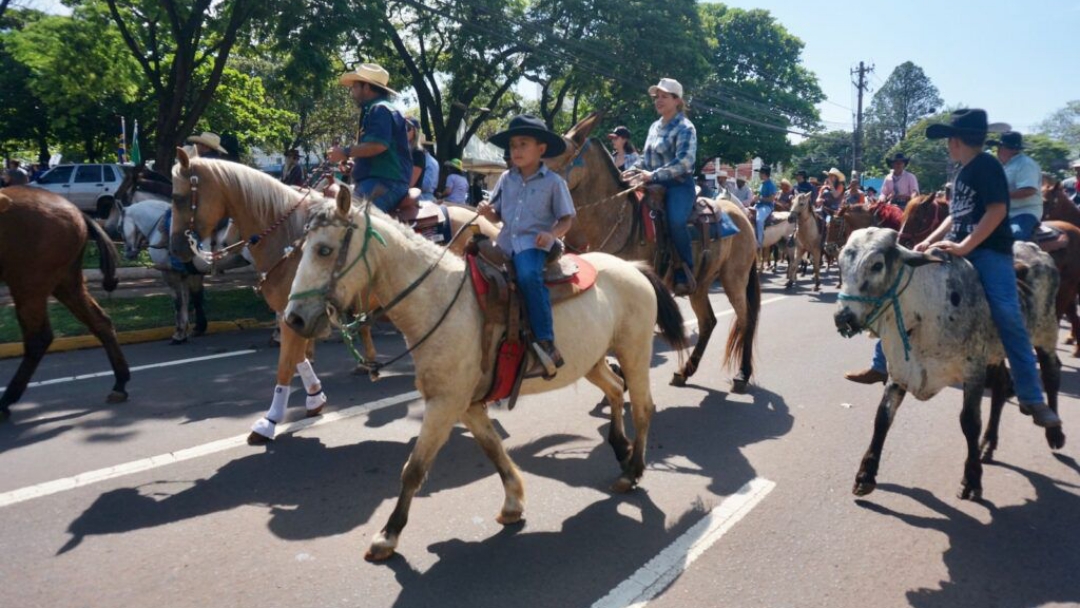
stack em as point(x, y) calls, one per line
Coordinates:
point(137, 336)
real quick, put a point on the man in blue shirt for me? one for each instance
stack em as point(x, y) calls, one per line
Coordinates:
point(382, 162)
point(765, 204)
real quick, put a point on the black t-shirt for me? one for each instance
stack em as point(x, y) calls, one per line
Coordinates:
point(419, 159)
point(981, 182)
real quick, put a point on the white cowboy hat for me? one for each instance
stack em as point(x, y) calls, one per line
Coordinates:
point(371, 73)
point(667, 85)
point(837, 173)
point(1075, 164)
point(208, 139)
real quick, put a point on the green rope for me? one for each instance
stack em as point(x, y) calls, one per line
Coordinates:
point(890, 298)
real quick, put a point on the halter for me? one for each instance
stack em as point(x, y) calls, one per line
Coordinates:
point(349, 329)
point(889, 299)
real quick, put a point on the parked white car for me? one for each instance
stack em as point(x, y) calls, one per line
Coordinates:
point(90, 187)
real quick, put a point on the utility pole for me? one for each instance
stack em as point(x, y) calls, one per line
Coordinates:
point(860, 84)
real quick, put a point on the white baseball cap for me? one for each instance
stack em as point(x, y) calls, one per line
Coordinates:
point(667, 85)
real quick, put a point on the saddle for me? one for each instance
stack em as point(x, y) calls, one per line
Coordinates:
point(769, 221)
point(1050, 239)
point(505, 321)
point(430, 220)
point(708, 222)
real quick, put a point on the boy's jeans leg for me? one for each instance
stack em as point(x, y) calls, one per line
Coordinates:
point(763, 212)
point(678, 203)
point(999, 282)
point(385, 194)
point(529, 265)
point(879, 363)
point(1023, 226)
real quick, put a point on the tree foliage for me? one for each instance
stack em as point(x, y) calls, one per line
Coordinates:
point(907, 96)
point(1051, 154)
point(823, 151)
point(1064, 125)
point(929, 157)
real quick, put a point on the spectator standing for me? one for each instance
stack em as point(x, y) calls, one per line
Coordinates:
point(456, 189)
point(624, 153)
point(1024, 178)
point(292, 173)
point(476, 192)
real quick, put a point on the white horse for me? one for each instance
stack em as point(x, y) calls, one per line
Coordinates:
point(350, 250)
point(143, 225)
point(774, 234)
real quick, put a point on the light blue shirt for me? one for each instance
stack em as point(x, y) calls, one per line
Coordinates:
point(1023, 172)
point(457, 188)
point(431, 174)
point(529, 206)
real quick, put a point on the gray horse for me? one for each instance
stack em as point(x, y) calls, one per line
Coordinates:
point(935, 327)
point(144, 225)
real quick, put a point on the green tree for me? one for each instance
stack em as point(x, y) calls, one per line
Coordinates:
point(24, 120)
point(906, 97)
point(241, 106)
point(1064, 125)
point(756, 88)
point(1051, 154)
point(823, 151)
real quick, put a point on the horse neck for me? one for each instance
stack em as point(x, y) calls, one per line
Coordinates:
point(250, 221)
point(400, 263)
point(1062, 209)
point(809, 226)
point(598, 207)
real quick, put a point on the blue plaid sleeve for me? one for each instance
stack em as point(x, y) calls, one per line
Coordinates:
point(685, 154)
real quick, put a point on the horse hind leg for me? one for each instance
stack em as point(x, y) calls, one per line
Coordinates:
point(634, 359)
point(439, 419)
point(479, 424)
point(74, 295)
point(180, 305)
point(1050, 370)
point(699, 301)
point(612, 385)
point(198, 302)
point(37, 335)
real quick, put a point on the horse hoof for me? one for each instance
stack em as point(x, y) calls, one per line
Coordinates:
point(315, 412)
point(1055, 438)
point(969, 493)
point(508, 518)
point(116, 397)
point(623, 485)
point(678, 380)
point(380, 550)
point(739, 386)
point(863, 488)
point(257, 439)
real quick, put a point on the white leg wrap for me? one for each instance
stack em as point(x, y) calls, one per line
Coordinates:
point(311, 381)
point(315, 401)
point(277, 406)
point(264, 427)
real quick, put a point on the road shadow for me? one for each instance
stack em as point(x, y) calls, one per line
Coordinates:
point(310, 490)
point(595, 550)
point(1026, 556)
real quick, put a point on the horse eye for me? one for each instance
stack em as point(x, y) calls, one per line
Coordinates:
point(878, 267)
point(325, 251)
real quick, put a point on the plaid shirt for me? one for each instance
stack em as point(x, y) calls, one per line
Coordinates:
point(670, 149)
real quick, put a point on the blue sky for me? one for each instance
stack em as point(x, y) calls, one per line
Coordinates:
point(1014, 59)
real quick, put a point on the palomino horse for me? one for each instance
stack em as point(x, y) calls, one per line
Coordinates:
point(143, 225)
point(608, 220)
point(775, 234)
point(807, 239)
point(35, 267)
point(349, 251)
point(274, 216)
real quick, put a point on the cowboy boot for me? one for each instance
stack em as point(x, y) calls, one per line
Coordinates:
point(550, 358)
point(867, 376)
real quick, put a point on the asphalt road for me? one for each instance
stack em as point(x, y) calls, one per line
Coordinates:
point(746, 502)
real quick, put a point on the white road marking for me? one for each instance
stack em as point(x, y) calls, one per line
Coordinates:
point(662, 570)
point(146, 464)
point(693, 322)
point(137, 369)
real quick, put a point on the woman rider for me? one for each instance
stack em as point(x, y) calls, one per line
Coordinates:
point(668, 160)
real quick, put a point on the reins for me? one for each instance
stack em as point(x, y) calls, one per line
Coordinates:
point(889, 299)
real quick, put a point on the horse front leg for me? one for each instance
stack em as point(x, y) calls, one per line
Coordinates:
point(479, 424)
point(1050, 370)
point(198, 302)
point(699, 301)
point(815, 257)
point(439, 417)
point(180, 305)
point(998, 379)
point(793, 268)
point(37, 335)
point(971, 424)
point(290, 361)
point(866, 479)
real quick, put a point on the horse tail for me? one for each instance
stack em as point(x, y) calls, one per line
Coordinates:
point(668, 316)
point(740, 342)
point(107, 253)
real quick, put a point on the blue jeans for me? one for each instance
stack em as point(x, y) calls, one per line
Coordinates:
point(879, 363)
point(384, 193)
point(999, 282)
point(1023, 226)
point(529, 266)
point(678, 203)
point(763, 210)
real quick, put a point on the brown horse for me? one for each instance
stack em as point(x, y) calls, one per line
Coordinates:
point(1063, 215)
point(42, 237)
point(922, 215)
point(609, 220)
point(850, 218)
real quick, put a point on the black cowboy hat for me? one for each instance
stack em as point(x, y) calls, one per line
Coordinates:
point(766, 169)
point(899, 156)
point(961, 122)
point(532, 127)
point(619, 131)
point(802, 173)
point(1009, 139)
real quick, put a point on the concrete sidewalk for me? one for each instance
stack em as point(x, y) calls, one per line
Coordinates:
point(142, 282)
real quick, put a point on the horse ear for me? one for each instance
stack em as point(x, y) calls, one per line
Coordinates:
point(182, 158)
point(581, 131)
point(344, 202)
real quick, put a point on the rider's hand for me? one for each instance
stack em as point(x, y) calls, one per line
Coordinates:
point(921, 247)
point(336, 154)
point(958, 249)
point(487, 210)
point(544, 240)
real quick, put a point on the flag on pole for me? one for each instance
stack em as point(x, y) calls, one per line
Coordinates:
point(121, 152)
point(136, 156)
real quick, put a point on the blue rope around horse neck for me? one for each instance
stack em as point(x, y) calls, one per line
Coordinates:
point(890, 298)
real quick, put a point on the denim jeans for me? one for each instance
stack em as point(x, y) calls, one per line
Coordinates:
point(1023, 226)
point(384, 193)
point(678, 203)
point(999, 282)
point(763, 210)
point(879, 363)
point(529, 266)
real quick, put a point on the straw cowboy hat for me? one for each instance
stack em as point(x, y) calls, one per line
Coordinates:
point(371, 73)
point(208, 139)
point(838, 174)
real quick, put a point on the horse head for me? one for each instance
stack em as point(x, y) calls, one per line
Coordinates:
point(573, 164)
point(921, 216)
point(196, 208)
point(800, 207)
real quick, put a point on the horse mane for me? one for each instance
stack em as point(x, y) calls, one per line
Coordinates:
point(913, 206)
point(266, 197)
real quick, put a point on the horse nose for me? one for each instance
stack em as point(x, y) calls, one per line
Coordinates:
point(295, 321)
